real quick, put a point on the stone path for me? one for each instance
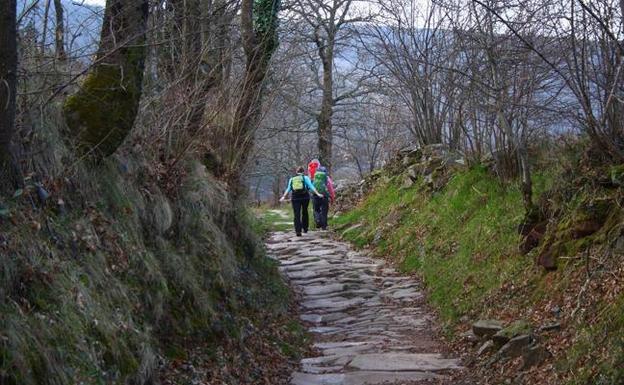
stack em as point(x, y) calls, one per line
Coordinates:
point(367, 320)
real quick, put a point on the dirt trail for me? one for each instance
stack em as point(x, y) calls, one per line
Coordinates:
point(368, 321)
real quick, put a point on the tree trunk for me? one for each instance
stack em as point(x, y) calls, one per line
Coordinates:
point(9, 170)
point(247, 114)
point(60, 31)
point(259, 36)
point(198, 83)
point(210, 52)
point(101, 114)
point(324, 119)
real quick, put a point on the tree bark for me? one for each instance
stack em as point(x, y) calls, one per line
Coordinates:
point(60, 31)
point(9, 170)
point(210, 52)
point(259, 36)
point(324, 119)
point(101, 114)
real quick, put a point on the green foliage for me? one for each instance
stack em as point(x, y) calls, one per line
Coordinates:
point(265, 20)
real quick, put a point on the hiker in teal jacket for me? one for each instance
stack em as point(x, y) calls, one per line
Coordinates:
point(299, 186)
point(323, 184)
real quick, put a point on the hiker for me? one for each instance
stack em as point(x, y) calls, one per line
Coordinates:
point(312, 167)
point(325, 186)
point(299, 186)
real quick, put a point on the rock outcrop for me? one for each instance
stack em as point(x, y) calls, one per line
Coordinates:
point(426, 166)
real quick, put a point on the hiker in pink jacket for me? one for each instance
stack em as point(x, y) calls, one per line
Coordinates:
point(312, 167)
point(315, 165)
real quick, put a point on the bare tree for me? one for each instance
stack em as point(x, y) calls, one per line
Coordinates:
point(326, 21)
point(417, 52)
point(374, 135)
point(594, 62)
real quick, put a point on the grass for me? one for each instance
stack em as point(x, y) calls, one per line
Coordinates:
point(463, 240)
point(274, 219)
point(280, 218)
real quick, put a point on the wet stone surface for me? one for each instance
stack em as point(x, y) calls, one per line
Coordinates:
point(367, 320)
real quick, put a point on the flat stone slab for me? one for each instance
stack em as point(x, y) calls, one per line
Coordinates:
point(334, 303)
point(361, 378)
point(324, 289)
point(407, 294)
point(422, 362)
point(317, 379)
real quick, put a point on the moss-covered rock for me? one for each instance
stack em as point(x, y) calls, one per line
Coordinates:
point(587, 220)
point(516, 328)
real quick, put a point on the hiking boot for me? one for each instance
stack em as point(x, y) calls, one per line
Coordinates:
point(298, 234)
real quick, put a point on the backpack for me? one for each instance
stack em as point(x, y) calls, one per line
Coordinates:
point(298, 184)
point(320, 182)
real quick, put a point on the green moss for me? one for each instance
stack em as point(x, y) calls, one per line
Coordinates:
point(586, 220)
point(517, 328)
point(101, 114)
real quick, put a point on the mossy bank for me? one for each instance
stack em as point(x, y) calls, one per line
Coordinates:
point(463, 231)
point(107, 280)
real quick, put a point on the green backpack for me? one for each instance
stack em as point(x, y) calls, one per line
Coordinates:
point(320, 182)
point(298, 184)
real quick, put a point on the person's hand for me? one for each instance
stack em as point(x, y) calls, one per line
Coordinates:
point(319, 195)
point(282, 199)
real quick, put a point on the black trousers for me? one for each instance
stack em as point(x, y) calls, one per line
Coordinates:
point(300, 208)
point(321, 208)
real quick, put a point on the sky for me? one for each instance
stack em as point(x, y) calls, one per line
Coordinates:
point(93, 2)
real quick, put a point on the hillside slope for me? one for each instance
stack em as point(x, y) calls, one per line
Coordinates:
point(107, 278)
point(458, 228)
